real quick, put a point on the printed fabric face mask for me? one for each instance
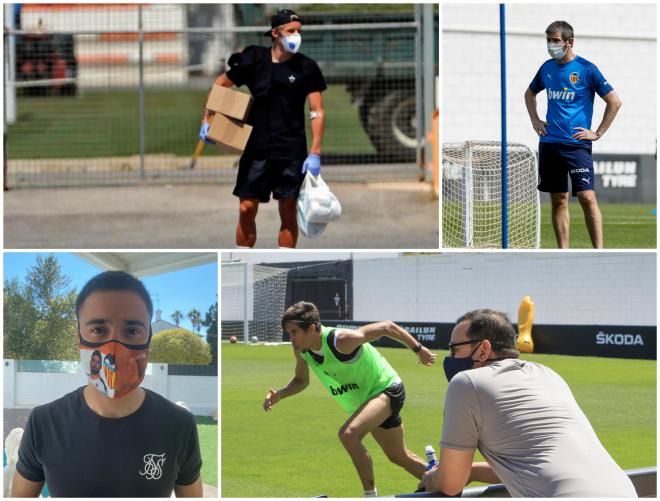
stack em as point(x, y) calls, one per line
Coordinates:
point(291, 43)
point(113, 368)
point(557, 50)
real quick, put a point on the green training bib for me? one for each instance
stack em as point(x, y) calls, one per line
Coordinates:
point(351, 383)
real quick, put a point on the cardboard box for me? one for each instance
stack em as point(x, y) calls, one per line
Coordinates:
point(229, 102)
point(229, 132)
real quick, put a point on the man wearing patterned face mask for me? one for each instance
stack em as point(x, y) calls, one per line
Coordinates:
point(565, 136)
point(521, 416)
point(129, 441)
point(276, 157)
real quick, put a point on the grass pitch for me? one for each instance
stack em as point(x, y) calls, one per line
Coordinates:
point(293, 451)
point(207, 429)
point(106, 124)
point(625, 226)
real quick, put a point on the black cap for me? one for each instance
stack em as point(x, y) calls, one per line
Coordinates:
point(283, 17)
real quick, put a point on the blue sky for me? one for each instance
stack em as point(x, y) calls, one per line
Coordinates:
point(195, 287)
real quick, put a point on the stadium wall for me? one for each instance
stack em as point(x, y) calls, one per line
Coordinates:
point(592, 340)
point(619, 38)
point(29, 388)
point(610, 288)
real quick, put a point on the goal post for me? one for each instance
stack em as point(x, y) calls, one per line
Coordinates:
point(472, 209)
point(252, 299)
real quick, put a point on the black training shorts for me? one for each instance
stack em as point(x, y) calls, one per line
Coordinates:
point(397, 394)
point(258, 178)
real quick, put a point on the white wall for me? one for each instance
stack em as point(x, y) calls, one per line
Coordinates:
point(29, 389)
point(618, 38)
point(576, 288)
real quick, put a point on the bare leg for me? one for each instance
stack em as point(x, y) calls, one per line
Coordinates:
point(288, 236)
point(394, 447)
point(560, 218)
point(366, 419)
point(246, 230)
point(592, 217)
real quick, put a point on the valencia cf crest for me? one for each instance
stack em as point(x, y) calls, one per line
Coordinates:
point(574, 77)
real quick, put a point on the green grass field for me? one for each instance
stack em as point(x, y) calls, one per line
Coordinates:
point(207, 429)
point(625, 226)
point(293, 451)
point(105, 124)
point(628, 226)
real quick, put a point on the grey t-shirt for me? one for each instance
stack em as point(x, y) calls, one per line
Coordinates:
point(525, 421)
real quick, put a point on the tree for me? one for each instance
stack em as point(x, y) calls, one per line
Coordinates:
point(39, 314)
point(195, 318)
point(177, 316)
point(211, 323)
point(179, 346)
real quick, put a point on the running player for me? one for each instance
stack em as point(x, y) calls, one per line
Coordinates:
point(360, 380)
point(566, 136)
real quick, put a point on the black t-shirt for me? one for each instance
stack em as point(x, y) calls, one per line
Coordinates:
point(81, 454)
point(279, 91)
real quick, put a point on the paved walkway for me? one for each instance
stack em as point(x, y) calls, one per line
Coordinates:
point(400, 215)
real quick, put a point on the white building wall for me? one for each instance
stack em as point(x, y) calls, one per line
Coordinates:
point(198, 392)
point(29, 389)
point(576, 288)
point(618, 38)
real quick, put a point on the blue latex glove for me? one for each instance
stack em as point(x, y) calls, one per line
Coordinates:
point(312, 164)
point(202, 134)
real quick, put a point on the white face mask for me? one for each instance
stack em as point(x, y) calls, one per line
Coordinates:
point(557, 50)
point(291, 43)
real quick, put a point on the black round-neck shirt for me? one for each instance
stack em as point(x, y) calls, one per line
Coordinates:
point(279, 91)
point(81, 454)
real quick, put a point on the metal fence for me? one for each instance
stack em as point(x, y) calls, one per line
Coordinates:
point(110, 94)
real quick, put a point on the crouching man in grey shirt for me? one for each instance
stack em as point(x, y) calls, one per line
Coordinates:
point(521, 416)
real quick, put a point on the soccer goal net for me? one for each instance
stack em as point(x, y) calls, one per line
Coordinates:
point(253, 301)
point(472, 195)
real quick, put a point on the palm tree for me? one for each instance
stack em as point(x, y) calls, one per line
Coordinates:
point(195, 318)
point(176, 316)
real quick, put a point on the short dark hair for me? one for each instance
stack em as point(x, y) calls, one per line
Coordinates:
point(96, 353)
point(562, 27)
point(494, 326)
point(114, 281)
point(304, 313)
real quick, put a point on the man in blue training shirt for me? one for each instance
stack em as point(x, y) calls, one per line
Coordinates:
point(566, 135)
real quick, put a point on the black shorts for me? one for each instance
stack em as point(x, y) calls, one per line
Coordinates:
point(558, 162)
point(397, 394)
point(259, 177)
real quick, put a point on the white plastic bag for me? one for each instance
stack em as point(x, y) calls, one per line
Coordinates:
point(321, 205)
point(317, 205)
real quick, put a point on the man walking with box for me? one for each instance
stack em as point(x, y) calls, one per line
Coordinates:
point(276, 158)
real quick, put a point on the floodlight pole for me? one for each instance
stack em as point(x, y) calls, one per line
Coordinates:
point(505, 194)
point(141, 89)
point(246, 325)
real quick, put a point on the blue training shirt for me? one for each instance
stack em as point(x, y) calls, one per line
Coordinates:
point(570, 88)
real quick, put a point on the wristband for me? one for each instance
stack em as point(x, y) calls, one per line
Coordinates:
point(417, 348)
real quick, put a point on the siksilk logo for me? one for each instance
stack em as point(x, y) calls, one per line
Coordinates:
point(561, 94)
point(292, 78)
point(153, 466)
point(344, 388)
point(619, 339)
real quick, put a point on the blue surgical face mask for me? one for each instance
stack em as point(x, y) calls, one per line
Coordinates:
point(557, 50)
point(291, 43)
point(454, 365)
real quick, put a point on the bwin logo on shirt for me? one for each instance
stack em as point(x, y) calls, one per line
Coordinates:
point(561, 94)
point(344, 388)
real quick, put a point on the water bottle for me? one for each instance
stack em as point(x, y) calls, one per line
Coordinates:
point(430, 456)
